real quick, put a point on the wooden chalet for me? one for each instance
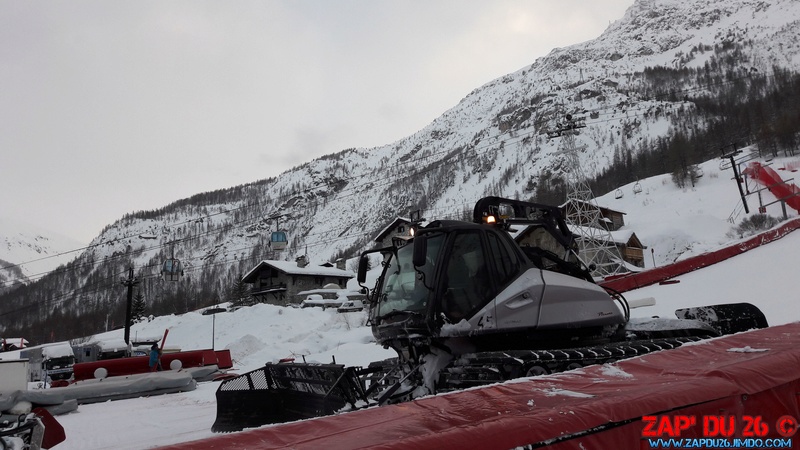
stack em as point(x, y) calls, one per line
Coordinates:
point(278, 282)
point(399, 227)
point(611, 219)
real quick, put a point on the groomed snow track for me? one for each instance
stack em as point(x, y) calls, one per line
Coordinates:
point(754, 373)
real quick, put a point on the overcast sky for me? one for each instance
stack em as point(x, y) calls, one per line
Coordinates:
point(111, 107)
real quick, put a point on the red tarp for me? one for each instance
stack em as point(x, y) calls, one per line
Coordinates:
point(597, 407)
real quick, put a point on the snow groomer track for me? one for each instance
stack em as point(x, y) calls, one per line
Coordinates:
point(754, 373)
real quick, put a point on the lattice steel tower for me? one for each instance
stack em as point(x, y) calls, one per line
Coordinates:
point(596, 245)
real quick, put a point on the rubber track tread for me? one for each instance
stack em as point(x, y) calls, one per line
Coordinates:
point(475, 369)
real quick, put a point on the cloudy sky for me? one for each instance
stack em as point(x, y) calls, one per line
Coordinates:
point(108, 107)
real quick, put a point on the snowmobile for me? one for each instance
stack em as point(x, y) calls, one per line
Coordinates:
point(466, 304)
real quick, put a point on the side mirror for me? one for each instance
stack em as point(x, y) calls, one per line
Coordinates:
point(363, 263)
point(420, 256)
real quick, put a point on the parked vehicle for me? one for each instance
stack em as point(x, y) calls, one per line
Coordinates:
point(350, 306)
point(317, 301)
point(211, 311)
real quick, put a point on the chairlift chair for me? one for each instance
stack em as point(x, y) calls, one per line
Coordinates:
point(171, 270)
point(618, 194)
point(637, 188)
point(278, 241)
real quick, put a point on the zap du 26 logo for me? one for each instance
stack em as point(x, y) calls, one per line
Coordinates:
point(717, 426)
point(670, 431)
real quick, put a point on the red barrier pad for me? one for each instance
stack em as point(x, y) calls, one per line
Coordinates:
point(224, 360)
point(140, 364)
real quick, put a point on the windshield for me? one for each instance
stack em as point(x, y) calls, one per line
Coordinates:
point(404, 288)
point(60, 361)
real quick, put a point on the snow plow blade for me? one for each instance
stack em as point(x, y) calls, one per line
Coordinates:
point(726, 318)
point(285, 392)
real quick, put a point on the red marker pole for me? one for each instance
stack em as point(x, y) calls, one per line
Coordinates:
point(164, 339)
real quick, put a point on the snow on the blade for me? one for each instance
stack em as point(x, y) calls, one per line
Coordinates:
point(748, 349)
point(614, 371)
point(552, 392)
point(456, 329)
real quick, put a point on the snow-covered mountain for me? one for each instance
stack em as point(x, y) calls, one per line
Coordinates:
point(42, 251)
point(633, 87)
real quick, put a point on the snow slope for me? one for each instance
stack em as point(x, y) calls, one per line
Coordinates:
point(680, 223)
point(695, 219)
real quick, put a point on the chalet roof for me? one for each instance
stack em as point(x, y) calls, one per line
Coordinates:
point(290, 268)
point(605, 208)
point(392, 225)
point(623, 236)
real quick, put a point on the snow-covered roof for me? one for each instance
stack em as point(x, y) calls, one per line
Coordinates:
point(561, 206)
point(108, 344)
point(57, 350)
point(622, 236)
point(14, 340)
point(291, 268)
point(392, 225)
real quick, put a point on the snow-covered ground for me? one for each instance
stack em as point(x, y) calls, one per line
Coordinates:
point(691, 220)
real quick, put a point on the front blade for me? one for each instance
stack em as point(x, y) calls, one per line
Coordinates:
point(726, 318)
point(284, 392)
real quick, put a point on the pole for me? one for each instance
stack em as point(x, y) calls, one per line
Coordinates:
point(739, 184)
point(164, 339)
point(129, 283)
point(736, 174)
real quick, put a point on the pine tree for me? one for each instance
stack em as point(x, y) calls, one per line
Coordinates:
point(239, 294)
point(138, 308)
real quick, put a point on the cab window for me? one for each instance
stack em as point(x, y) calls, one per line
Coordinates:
point(467, 284)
